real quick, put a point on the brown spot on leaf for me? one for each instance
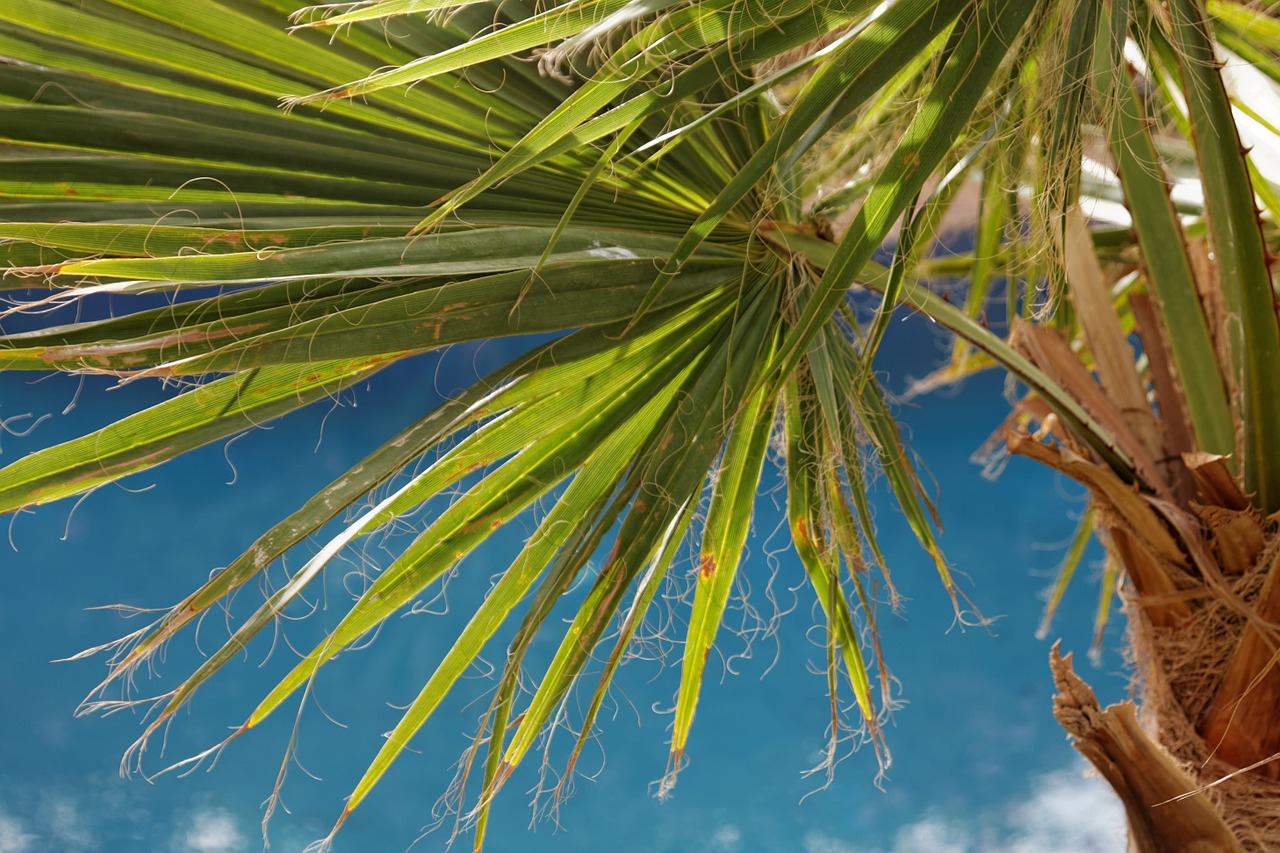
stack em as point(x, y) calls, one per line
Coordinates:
point(708, 566)
point(231, 238)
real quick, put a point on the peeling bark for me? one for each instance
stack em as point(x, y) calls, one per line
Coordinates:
point(1165, 810)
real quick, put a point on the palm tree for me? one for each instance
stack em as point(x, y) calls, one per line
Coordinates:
point(684, 199)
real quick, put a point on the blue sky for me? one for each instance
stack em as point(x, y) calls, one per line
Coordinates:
point(1063, 811)
point(979, 762)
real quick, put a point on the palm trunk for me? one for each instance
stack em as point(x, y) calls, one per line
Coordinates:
point(1150, 783)
point(1195, 767)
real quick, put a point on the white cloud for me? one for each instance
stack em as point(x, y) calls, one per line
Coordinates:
point(62, 817)
point(213, 831)
point(820, 842)
point(49, 819)
point(728, 839)
point(1068, 811)
point(13, 836)
point(1064, 810)
point(932, 834)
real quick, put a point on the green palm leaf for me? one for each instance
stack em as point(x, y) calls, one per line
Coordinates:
point(295, 251)
point(683, 205)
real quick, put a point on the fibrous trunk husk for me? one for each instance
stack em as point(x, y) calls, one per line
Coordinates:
point(1198, 766)
point(1199, 772)
point(1152, 786)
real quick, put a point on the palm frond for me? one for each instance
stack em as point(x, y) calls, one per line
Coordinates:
point(684, 205)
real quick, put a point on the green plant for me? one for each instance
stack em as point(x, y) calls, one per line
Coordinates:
point(685, 195)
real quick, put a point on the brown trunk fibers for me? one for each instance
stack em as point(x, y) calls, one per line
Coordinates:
point(1148, 781)
point(1198, 767)
point(1199, 772)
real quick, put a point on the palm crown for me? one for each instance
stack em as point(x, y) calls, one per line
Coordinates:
point(686, 198)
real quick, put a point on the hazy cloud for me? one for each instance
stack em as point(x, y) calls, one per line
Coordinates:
point(13, 836)
point(1064, 810)
point(1068, 811)
point(61, 818)
point(728, 839)
point(211, 831)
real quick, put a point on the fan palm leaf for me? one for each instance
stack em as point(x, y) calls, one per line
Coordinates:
point(684, 204)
